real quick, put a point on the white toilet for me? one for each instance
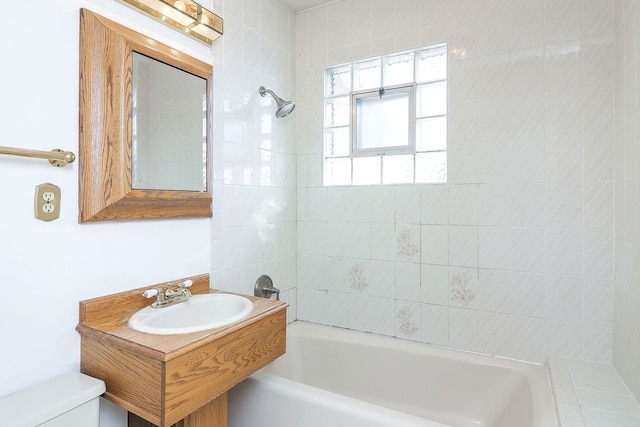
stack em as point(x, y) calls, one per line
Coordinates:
point(70, 400)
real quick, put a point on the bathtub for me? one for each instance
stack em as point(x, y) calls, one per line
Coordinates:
point(333, 377)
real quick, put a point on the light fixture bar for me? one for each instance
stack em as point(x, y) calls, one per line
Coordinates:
point(186, 16)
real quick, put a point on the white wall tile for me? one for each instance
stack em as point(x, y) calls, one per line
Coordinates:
point(407, 281)
point(598, 253)
point(527, 214)
point(528, 339)
point(382, 278)
point(563, 158)
point(564, 298)
point(564, 252)
point(564, 339)
point(407, 203)
point(382, 206)
point(435, 324)
point(493, 204)
point(494, 291)
point(528, 250)
point(526, 25)
point(495, 247)
point(528, 294)
point(493, 152)
point(598, 204)
point(527, 205)
point(598, 300)
point(463, 328)
point(463, 246)
point(382, 316)
point(434, 284)
point(494, 334)
point(597, 343)
point(383, 237)
point(434, 204)
point(463, 204)
point(563, 204)
point(561, 21)
point(435, 244)
point(527, 159)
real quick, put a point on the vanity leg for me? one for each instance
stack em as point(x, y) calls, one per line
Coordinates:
point(213, 414)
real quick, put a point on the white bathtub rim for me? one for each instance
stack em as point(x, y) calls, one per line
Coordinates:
point(496, 360)
point(346, 403)
point(537, 374)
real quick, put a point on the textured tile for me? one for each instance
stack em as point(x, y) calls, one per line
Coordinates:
point(494, 247)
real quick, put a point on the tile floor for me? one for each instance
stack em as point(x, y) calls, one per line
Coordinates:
point(591, 394)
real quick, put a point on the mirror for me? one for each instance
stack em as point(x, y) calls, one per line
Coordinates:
point(145, 126)
point(169, 105)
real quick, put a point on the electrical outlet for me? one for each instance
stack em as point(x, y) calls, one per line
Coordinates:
point(47, 202)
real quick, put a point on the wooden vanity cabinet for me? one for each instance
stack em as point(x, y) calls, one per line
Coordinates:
point(175, 380)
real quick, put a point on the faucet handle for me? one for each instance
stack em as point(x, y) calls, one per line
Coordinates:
point(150, 293)
point(186, 284)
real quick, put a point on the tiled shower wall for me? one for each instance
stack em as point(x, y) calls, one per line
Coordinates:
point(514, 256)
point(626, 315)
point(254, 191)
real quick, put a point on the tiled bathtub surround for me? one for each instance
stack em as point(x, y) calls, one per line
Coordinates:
point(626, 313)
point(254, 220)
point(514, 256)
point(591, 394)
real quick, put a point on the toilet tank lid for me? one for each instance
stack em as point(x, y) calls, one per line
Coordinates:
point(40, 403)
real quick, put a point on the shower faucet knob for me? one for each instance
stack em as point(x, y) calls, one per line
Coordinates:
point(264, 288)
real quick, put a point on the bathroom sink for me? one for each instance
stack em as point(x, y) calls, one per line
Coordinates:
point(198, 313)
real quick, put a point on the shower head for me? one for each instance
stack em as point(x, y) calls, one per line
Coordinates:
point(284, 107)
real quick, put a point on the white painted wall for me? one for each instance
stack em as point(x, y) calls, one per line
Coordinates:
point(47, 268)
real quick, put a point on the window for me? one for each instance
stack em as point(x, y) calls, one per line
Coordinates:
point(385, 119)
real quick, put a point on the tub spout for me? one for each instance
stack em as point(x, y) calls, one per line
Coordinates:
point(273, 291)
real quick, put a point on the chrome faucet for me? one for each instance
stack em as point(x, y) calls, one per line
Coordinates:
point(169, 297)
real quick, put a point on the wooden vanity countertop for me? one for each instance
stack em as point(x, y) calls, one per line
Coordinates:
point(106, 318)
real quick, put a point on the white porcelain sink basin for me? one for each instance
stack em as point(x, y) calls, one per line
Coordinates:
point(199, 313)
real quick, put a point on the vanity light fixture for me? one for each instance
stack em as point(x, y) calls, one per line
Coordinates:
point(187, 16)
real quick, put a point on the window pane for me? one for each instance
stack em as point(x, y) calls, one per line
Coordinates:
point(337, 112)
point(337, 172)
point(398, 69)
point(397, 169)
point(366, 75)
point(431, 134)
point(336, 142)
point(338, 81)
point(431, 65)
point(431, 167)
point(431, 100)
point(383, 122)
point(366, 170)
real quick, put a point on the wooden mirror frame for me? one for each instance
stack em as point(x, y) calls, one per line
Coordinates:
point(105, 190)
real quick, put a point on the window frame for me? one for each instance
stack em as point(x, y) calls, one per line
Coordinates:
point(409, 147)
